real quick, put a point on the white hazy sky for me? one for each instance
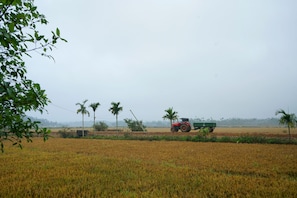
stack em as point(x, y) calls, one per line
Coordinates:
point(211, 59)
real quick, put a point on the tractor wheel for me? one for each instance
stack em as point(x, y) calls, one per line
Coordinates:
point(189, 129)
point(211, 129)
point(174, 129)
point(184, 128)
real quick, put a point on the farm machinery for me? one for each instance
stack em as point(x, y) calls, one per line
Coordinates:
point(185, 125)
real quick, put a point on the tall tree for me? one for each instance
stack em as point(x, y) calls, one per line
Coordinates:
point(83, 110)
point(115, 110)
point(19, 35)
point(170, 115)
point(94, 107)
point(287, 119)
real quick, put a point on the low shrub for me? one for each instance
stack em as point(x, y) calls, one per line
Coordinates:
point(225, 139)
point(100, 126)
point(204, 132)
point(135, 125)
point(66, 133)
point(199, 138)
point(251, 139)
point(186, 138)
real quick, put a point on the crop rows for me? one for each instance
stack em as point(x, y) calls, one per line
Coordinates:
point(116, 168)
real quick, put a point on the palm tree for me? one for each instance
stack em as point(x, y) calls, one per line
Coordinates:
point(287, 119)
point(115, 109)
point(83, 110)
point(94, 106)
point(170, 115)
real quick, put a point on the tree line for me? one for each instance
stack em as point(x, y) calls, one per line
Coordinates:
point(115, 109)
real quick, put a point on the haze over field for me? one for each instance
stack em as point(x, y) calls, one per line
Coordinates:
point(219, 59)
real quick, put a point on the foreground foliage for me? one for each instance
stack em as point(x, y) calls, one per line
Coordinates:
point(106, 168)
point(19, 35)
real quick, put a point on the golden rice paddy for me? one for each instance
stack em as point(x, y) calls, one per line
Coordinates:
point(121, 168)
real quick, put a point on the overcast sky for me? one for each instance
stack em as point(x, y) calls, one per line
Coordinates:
point(206, 59)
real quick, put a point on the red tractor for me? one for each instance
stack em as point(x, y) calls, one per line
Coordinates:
point(184, 125)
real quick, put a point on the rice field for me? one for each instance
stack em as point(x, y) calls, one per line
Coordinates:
point(116, 168)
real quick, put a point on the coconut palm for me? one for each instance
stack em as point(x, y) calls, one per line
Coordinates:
point(287, 119)
point(115, 109)
point(170, 115)
point(94, 106)
point(83, 110)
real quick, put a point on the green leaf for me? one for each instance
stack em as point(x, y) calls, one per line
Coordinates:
point(36, 34)
point(58, 32)
point(11, 27)
point(64, 40)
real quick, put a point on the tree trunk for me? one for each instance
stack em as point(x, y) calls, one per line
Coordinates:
point(117, 122)
point(83, 126)
point(289, 133)
point(94, 119)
